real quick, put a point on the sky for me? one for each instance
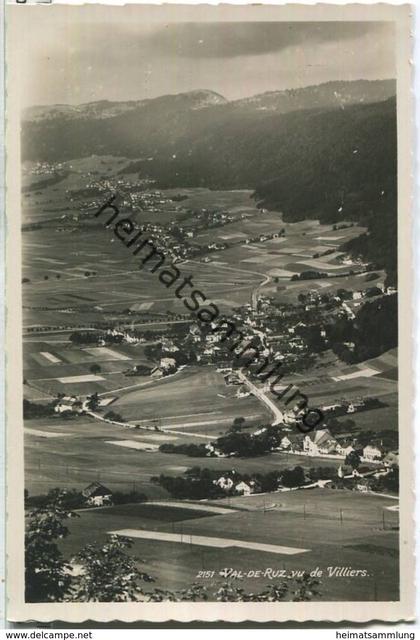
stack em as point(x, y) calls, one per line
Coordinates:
point(91, 55)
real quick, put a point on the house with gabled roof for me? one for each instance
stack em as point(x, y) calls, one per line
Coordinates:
point(371, 453)
point(97, 495)
point(319, 442)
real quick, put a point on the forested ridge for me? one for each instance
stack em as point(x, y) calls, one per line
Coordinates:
point(334, 160)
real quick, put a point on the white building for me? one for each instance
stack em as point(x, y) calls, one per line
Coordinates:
point(243, 488)
point(224, 483)
point(372, 453)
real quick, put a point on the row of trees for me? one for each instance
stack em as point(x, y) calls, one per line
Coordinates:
point(248, 444)
point(34, 410)
point(243, 445)
point(187, 449)
point(199, 483)
point(74, 499)
point(92, 337)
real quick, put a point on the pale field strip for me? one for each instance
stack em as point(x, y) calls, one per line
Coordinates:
point(203, 423)
point(280, 273)
point(327, 238)
point(195, 507)
point(363, 373)
point(230, 236)
point(50, 260)
point(45, 434)
point(106, 401)
point(158, 437)
point(88, 377)
point(206, 541)
point(134, 444)
point(186, 433)
point(105, 351)
point(50, 357)
point(322, 264)
point(184, 415)
point(36, 245)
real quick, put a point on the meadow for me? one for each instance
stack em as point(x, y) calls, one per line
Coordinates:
point(73, 453)
point(361, 538)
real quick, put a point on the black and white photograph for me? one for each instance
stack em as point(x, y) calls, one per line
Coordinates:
point(208, 392)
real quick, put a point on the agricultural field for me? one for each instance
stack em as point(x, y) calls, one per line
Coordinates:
point(194, 397)
point(317, 528)
point(81, 277)
point(73, 453)
point(53, 368)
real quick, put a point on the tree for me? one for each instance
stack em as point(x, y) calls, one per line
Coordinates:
point(344, 294)
point(115, 417)
point(293, 477)
point(307, 588)
point(237, 424)
point(47, 574)
point(108, 573)
point(34, 410)
point(373, 291)
point(352, 459)
point(93, 401)
point(302, 590)
point(95, 368)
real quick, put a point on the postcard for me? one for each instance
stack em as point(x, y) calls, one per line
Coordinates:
point(209, 377)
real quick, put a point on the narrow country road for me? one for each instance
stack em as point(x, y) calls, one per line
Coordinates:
point(258, 393)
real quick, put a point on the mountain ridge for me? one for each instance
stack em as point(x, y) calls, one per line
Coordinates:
point(379, 89)
point(334, 161)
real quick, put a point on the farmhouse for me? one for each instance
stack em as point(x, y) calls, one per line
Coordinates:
point(291, 443)
point(97, 494)
point(166, 366)
point(344, 449)
point(285, 443)
point(354, 406)
point(244, 488)
point(371, 453)
point(68, 403)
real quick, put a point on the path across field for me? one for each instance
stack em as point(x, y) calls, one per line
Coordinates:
point(205, 541)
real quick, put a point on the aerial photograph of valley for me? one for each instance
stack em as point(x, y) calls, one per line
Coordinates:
point(210, 313)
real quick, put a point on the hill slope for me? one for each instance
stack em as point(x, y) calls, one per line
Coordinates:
point(326, 152)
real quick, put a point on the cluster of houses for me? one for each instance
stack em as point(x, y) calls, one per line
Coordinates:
point(321, 443)
point(45, 168)
point(66, 404)
point(263, 237)
point(231, 484)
